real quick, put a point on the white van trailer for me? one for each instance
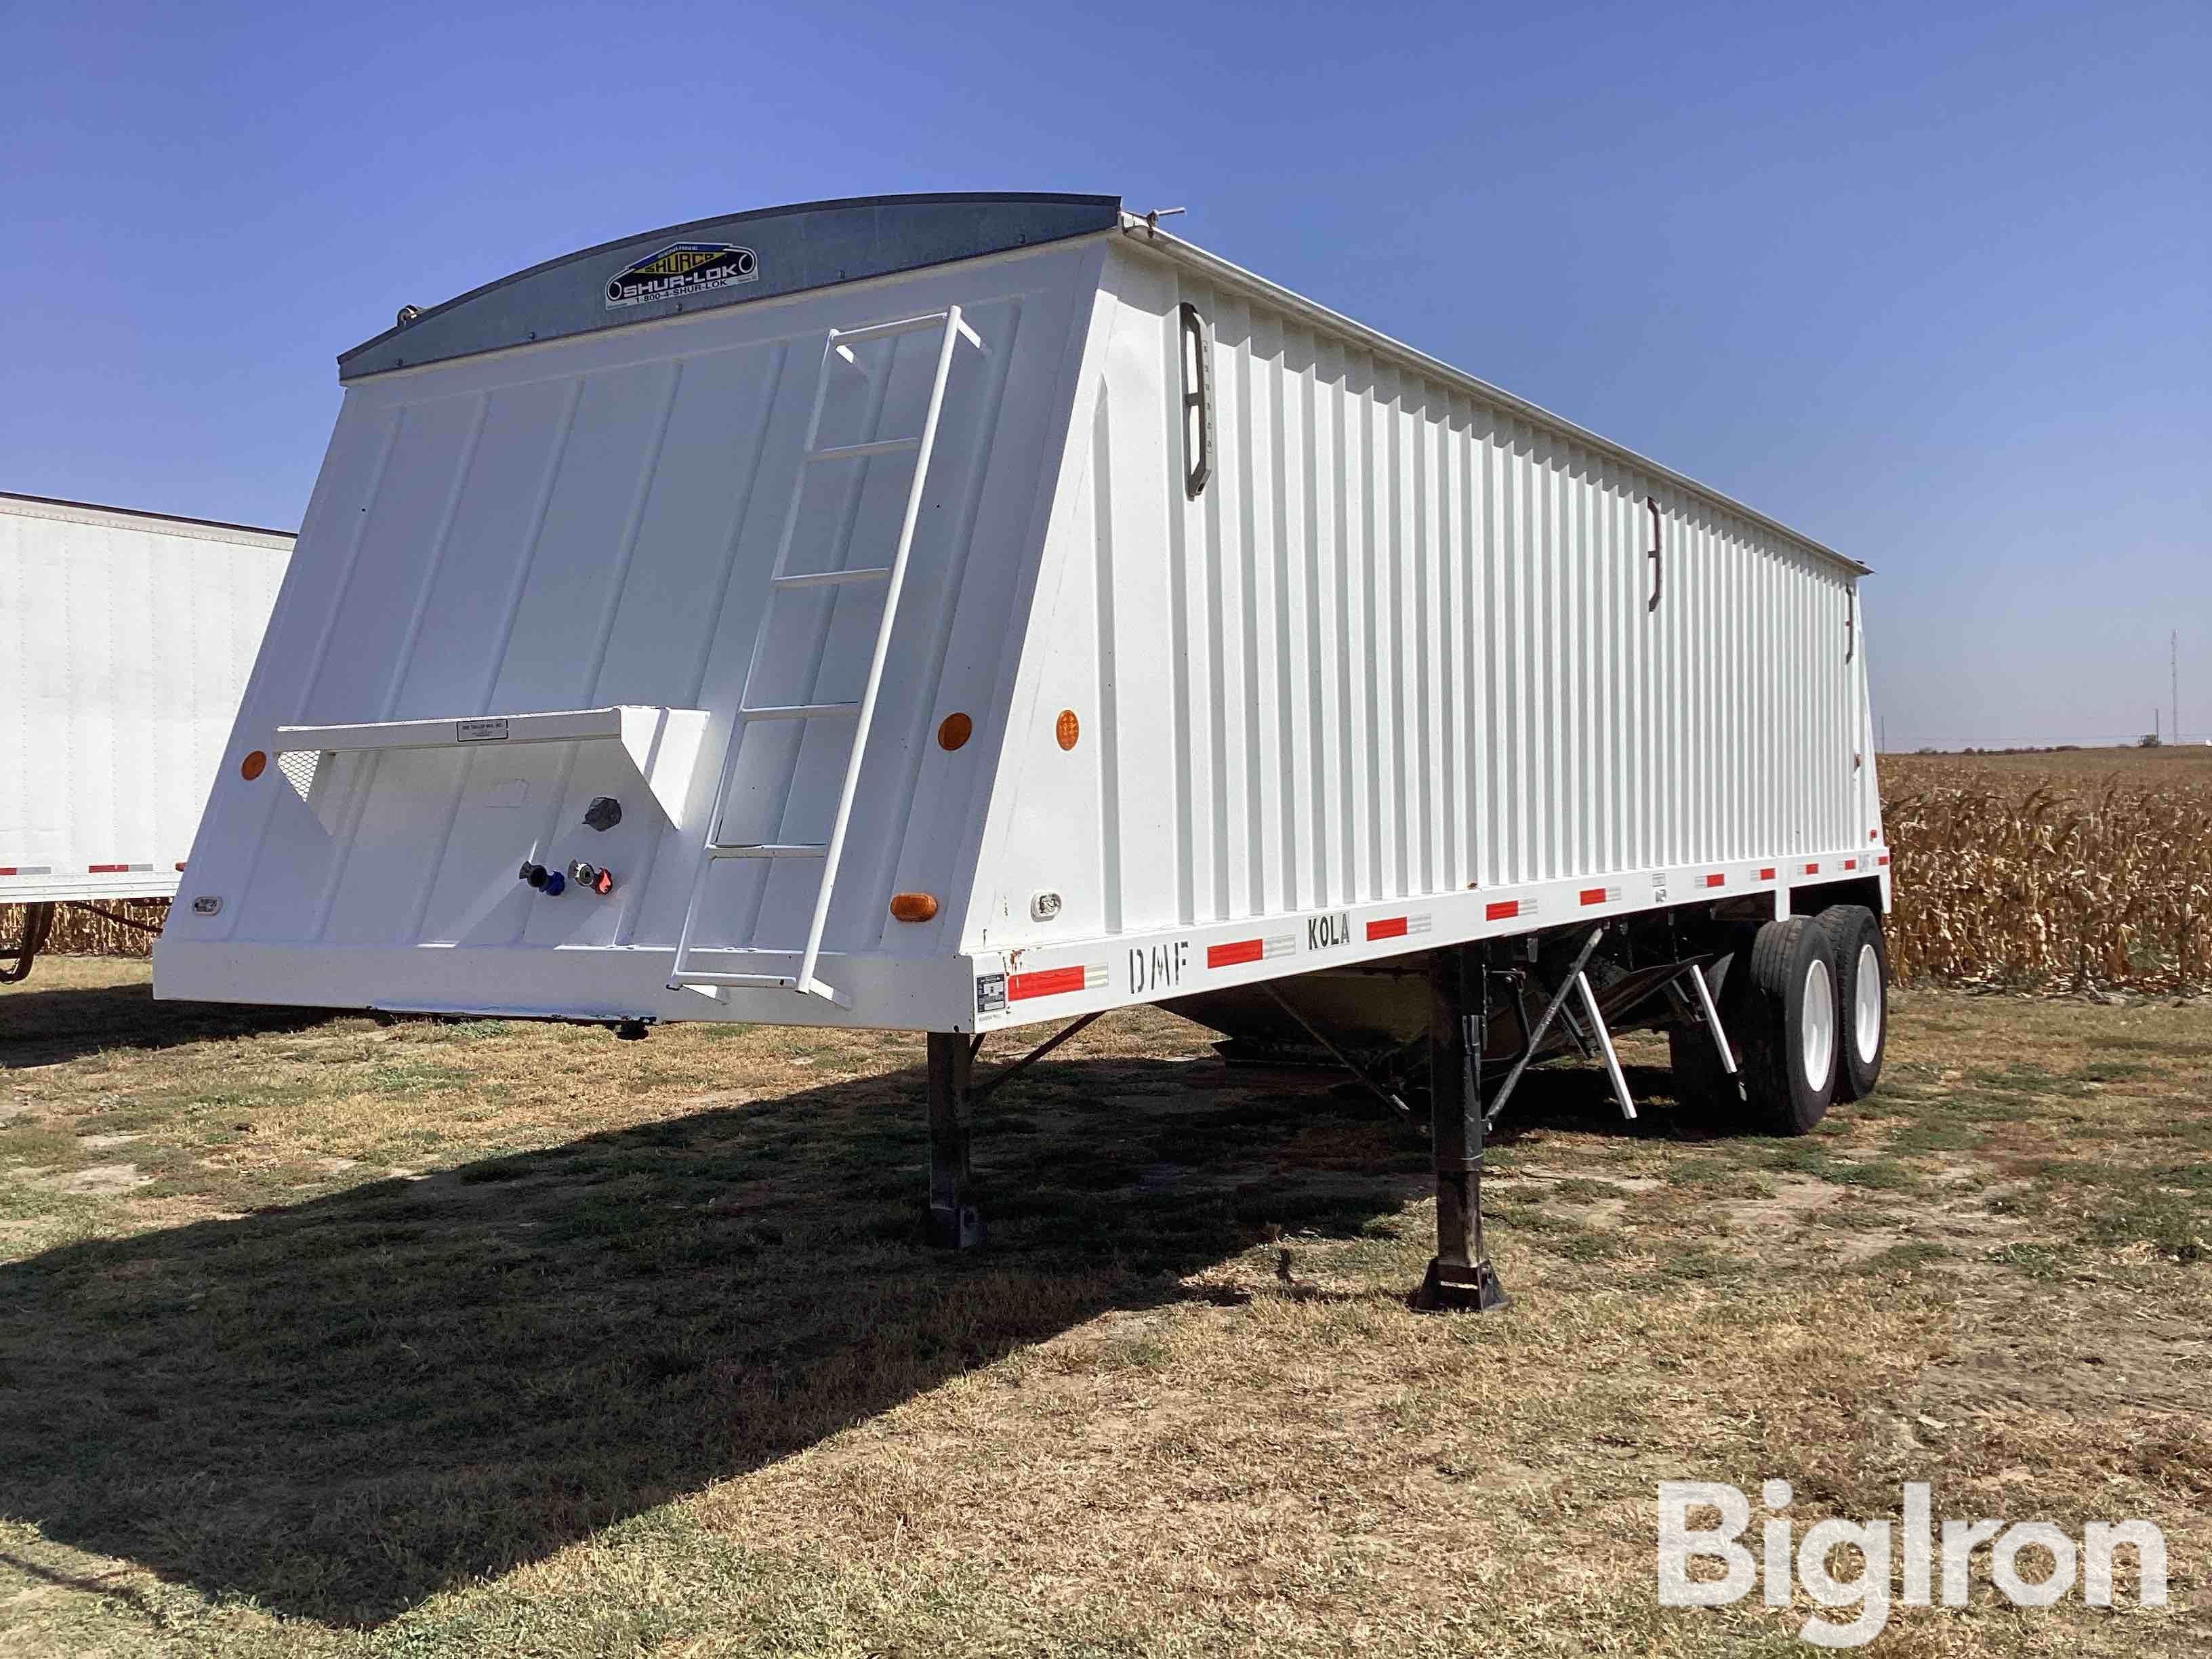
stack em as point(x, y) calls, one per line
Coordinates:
point(955, 612)
point(129, 637)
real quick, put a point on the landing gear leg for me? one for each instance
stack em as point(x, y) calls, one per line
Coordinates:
point(1460, 1276)
point(38, 922)
point(954, 1223)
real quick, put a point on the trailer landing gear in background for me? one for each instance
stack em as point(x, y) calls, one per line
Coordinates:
point(1460, 1276)
point(38, 923)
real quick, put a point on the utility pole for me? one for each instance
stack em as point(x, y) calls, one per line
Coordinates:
point(2173, 682)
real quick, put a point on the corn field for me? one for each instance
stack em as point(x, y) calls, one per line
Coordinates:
point(2070, 873)
point(78, 932)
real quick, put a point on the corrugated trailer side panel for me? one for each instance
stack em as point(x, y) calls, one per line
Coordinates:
point(1400, 644)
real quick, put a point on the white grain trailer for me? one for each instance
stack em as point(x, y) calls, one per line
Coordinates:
point(127, 638)
point(951, 613)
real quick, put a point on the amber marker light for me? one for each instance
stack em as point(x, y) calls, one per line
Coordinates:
point(953, 731)
point(252, 766)
point(913, 907)
point(1066, 729)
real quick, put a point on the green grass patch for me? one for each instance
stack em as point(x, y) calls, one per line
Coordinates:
point(1925, 1136)
point(415, 1077)
point(37, 1144)
point(1702, 1172)
point(1700, 1264)
point(2113, 1071)
point(2021, 1077)
point(1883, 1174)
point(2170, 1225)
point(1908, 1257)
point(2045, 1262)
point(1792, 1156)
point(1581, 1190)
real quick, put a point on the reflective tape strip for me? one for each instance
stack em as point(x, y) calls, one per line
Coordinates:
point(115, 869)
point(1767, 874)
point(1812, 869)
point(1397, 926)
point(1054, 981)
point(1716, 879)
point(1600, 896)
point(1884, 859)
point(1248, 950)
point(27, 870)
point(1850, 864)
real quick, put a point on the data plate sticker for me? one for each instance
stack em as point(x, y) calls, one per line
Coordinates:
point(480, 730)
point(990, 993)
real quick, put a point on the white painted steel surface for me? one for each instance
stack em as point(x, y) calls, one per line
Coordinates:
point(1871, 1008)
point(1389, 679)
point(125, 640)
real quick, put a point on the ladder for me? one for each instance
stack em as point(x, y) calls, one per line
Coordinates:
point(837, 355)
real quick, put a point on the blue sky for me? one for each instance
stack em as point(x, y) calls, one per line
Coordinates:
point(1926, 282)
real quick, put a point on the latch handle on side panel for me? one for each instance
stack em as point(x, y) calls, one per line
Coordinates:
point(1657, 569)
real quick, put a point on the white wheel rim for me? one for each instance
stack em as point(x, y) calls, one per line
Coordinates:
point(1819, 1022)
point(1866, 1014)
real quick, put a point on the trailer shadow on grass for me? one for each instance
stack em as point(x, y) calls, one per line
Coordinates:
point(339, 1407)
point(45, 1026)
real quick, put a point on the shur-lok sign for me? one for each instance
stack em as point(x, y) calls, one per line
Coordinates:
point(679, 269)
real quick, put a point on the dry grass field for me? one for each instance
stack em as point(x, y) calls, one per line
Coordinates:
point(325, 1335)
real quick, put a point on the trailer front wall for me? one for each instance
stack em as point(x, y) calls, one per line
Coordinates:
point(592, 521)
point(127, 640)
point(1402, 643)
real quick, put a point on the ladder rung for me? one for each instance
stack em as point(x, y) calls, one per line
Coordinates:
point(770, 849)
point(800, 711)
point(858, 451)
point(881, 331)
point(826, 578)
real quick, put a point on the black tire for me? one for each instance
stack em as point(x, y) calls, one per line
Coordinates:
point(1855, 934)
point(1778, 1023)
